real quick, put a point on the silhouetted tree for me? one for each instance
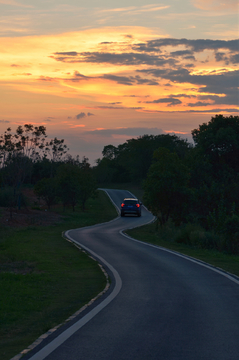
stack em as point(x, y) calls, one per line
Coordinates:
point(131, 160)
point(76, 184)
point(47, 190)
point(166, 187)
point(19, 151)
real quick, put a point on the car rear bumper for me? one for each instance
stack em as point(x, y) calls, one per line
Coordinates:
point(136, 212)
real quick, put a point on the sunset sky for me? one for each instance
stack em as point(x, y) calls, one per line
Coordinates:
point(100, 72)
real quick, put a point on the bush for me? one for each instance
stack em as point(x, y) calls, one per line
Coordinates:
point(231, 234)
point(195, 235)
point(231, 226)
point(183, 236)
point(167, 232)
point(47, 190)
point(205, 239)
point(7, 197)
point(231, 244)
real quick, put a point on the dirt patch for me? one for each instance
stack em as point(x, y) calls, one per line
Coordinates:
point(21, 218)
point(18, 267)
point(35, 213)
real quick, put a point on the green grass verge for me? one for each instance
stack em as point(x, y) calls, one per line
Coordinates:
point(44, 279)
point(148, 233)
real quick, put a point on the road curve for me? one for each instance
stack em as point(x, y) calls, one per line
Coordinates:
point(160, 305)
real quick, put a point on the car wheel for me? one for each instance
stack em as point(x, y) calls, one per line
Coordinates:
point(122, 214)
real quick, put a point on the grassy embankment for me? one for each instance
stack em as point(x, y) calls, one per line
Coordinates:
point(150, 234)
point(44, 279)
point(165, 237)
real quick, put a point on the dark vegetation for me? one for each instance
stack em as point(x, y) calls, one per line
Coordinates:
point(28, 158)
point(193, 189)
point(44, 279)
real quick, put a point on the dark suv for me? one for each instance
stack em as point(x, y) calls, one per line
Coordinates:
point(131, 206)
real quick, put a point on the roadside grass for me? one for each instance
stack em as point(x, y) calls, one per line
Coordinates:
point(164, 237)
point(44, 279)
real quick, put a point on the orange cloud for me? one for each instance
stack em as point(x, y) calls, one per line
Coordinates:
point(176, 132)
point(133, 76)
point(216, 5)
point(14, 3)
point(76, 126)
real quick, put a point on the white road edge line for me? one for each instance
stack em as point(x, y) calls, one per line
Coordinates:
point(118, 284)
point(222, 272)
point(186, 257)
point(53, 345)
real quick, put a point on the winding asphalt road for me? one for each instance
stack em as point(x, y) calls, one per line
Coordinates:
point(161, 305)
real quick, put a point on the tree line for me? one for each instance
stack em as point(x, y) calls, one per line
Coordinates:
point(28, 157)
point(185, 183)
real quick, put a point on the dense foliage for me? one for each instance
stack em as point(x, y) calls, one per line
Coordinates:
point(131, 160)
point(186, 184)
point(183, 184)
point(166, 187)
point(27, 157)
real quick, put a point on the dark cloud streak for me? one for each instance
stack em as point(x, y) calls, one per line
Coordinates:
point(196, 45)
point(155, 61)
point(130, 58)
point(171, 101)
point(82, 115)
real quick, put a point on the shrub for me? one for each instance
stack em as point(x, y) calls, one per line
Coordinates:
point(7, 197)
point(195, 235)
point(183, 236)
point(47, 190)
point(231, 226)
point(205, 239)
point(231, 234)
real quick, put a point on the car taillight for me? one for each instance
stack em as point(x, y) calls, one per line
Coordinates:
point(137, 205)
point(122, 205)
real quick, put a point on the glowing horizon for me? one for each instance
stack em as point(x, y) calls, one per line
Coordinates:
point(93, 84)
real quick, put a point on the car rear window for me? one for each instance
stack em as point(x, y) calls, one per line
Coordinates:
point(130, 202)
